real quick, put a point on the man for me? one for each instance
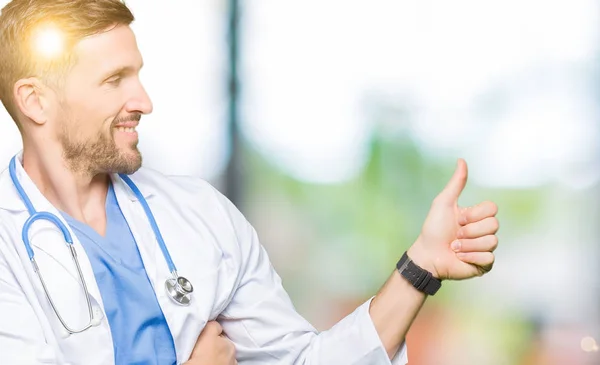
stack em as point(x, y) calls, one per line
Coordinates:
point(105, 299)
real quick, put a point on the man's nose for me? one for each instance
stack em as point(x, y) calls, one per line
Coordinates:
point(140, 101)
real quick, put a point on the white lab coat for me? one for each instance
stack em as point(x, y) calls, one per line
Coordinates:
point(211, 244)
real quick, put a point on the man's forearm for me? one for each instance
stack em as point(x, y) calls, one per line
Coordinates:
point(455, 243)
point(393, 310)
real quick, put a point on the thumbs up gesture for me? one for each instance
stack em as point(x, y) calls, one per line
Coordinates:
point(455, 242)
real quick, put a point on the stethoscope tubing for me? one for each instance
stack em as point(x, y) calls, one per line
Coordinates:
point(178, 288)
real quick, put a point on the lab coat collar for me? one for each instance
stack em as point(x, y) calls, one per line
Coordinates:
point(10, 199)
point(140, 179)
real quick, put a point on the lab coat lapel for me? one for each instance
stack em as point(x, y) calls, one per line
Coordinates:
point(46, 238)
point(154, 263)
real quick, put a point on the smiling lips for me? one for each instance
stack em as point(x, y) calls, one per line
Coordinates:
point(126, 127)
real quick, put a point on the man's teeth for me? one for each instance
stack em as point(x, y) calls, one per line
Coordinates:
point(128, 130)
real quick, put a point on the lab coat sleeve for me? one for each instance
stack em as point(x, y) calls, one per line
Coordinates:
point(22, 339)
point(266, 329)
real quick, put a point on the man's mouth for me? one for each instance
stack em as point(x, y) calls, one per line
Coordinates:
point(126, 129)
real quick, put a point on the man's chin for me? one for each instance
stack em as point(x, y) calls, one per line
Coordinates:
point(129, 162)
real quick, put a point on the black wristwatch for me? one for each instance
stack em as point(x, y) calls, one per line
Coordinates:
point(420, 278)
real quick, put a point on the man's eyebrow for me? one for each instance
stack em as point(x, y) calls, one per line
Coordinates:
point(123, 70)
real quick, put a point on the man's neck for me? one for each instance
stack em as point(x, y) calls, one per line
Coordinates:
point(80, 195)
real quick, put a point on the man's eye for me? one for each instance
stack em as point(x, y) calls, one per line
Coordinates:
point(115, 80)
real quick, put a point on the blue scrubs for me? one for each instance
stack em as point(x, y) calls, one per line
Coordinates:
point(139, 330)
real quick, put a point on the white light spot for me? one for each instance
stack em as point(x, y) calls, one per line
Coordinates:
point(588, 344)
point(48, 42)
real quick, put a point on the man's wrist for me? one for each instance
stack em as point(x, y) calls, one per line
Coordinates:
point(419, 278)
point(419, 255)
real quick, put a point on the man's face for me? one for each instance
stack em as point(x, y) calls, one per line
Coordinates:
point(101, 104)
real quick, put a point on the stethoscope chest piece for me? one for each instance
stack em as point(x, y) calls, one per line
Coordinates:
point(179, 289)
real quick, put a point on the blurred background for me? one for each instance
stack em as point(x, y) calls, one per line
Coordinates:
point(333, 124)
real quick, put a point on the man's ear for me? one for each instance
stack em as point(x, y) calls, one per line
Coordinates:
point(30, 99)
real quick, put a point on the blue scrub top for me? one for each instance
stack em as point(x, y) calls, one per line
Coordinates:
point(139, 330)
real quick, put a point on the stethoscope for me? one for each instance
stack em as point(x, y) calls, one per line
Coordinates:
point(178, 288)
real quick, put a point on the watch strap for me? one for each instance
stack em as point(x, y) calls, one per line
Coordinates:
point(421, 279)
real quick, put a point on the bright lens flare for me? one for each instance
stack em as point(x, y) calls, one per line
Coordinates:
point(48, 42)
point(588, 344)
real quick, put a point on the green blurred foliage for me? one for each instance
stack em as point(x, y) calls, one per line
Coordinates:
point(372, 218)
point(382, 209)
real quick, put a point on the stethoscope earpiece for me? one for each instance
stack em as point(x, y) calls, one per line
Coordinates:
point(178, 288)
point(95, 321)
point(64, 334)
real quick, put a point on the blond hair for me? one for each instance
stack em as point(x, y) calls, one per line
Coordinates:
point(75, 19)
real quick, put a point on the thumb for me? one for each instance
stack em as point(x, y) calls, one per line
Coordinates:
point(456, 184)
point(212, 329)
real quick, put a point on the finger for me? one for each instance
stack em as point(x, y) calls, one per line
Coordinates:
point(483, 260)
point(212, 328)
point(456, 184)
point(482, 244)
point(479, 229)
point(231, 351)
point(477, 213)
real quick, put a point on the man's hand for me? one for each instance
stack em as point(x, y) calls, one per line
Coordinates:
point(212, 347)
point(457, 243)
